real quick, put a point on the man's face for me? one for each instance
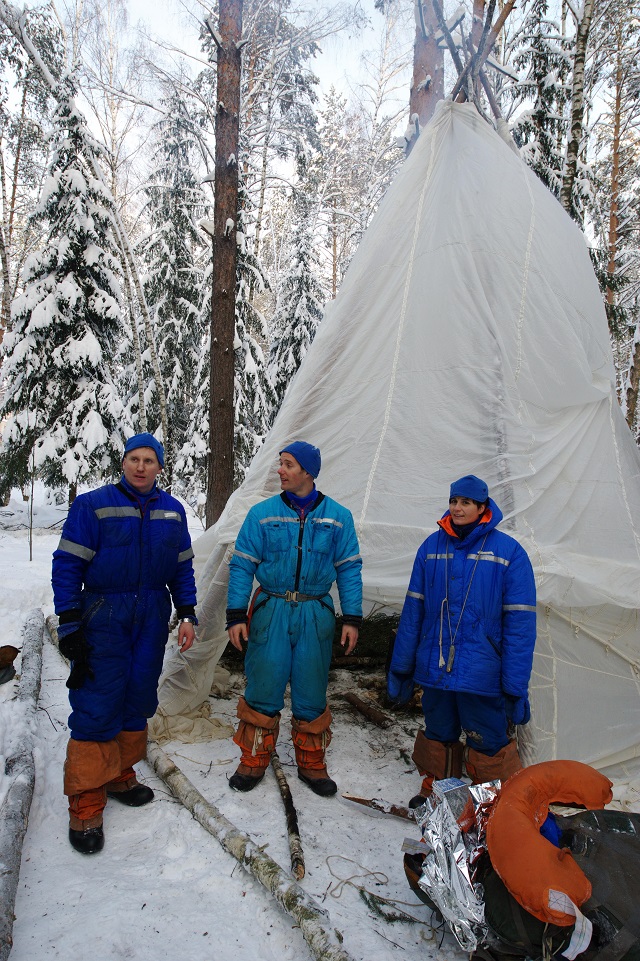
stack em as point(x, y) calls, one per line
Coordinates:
point(140, 468)
point(464, 511)
point(293, 478)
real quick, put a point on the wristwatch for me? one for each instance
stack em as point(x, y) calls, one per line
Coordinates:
point(190, 619)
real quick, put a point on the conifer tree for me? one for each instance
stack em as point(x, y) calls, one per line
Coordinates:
point(64, 415)
point(174, 278)
point(254, 397)
point(541, 128)
point(300, 303)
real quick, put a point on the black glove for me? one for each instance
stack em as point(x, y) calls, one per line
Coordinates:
point(73, 645)
point(80, 671)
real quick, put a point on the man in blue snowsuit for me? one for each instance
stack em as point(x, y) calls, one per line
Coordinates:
point(466, 636)
point(124, 554)
point(295, 545)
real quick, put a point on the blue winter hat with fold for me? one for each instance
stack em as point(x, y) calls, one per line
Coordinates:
point(146, 440)
point(307, 456)
point(470, 486)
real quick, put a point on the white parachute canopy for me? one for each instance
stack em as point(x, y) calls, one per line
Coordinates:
point(469, 336)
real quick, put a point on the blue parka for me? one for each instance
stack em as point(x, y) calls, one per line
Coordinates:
point(469, 619)
point(119, 563)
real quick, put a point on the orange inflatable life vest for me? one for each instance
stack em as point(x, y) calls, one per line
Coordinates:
point(529, 865)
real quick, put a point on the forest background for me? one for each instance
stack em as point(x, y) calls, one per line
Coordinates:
point(107, 146)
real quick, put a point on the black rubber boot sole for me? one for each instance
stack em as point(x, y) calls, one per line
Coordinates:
point(323, 786)
point(87, 842)
point(133, 798)
point(244, 782)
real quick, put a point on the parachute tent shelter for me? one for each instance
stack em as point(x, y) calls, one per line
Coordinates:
point(469, 336)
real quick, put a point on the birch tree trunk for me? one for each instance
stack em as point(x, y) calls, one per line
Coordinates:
point(221, 362)
point(314, 921)
point(577, 108)
point(20, 770)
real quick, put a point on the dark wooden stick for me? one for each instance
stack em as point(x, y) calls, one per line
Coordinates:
point(369, 711)
point(384, 807)
point(293, 832)
point(344, 661)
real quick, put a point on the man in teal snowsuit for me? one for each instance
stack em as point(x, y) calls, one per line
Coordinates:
point(295, 545)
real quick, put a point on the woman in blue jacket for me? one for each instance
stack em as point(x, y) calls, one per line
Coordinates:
point(124, 555)
point(466, 637)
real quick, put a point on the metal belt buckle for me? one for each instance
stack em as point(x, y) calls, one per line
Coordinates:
point(291, 596)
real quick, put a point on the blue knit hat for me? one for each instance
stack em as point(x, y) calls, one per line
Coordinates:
point(146, 440)
point(470, 486)
point(307, 456)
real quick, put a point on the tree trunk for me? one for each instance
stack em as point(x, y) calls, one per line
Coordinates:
point(428, 62)
point(221, 400)
point(577, 108)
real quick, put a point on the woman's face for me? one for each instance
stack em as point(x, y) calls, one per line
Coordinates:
point(464, 511)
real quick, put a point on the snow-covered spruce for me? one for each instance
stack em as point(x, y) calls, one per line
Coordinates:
point(65, 418)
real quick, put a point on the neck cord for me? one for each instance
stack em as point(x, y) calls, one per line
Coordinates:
point(445, 601)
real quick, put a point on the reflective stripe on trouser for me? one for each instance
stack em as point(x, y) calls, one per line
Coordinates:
point(289, 643)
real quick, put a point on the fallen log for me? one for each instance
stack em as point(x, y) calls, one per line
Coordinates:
point(344, 661)
point(20, 769)
point(293, 832)
point(368, 710)
point(289, 895)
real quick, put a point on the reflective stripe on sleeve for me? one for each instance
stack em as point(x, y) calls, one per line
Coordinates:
point(103, 512)
point(418, 597)
point(354, 557)
point(518, 607)
point(185, 555)
point(78, 549)
point(247, 557)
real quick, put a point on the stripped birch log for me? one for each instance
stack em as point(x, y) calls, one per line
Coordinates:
point(313, 920)
point(20, 770)
point(293, 831)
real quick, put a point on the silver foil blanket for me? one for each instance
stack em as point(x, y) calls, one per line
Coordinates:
point(453, 822)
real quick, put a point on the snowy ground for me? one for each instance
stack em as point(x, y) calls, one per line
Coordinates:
point(164, 888)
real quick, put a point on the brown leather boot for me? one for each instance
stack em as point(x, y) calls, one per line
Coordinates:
point(499, 766)
point(311, 739)
point(256, 737)
point(435, 760)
